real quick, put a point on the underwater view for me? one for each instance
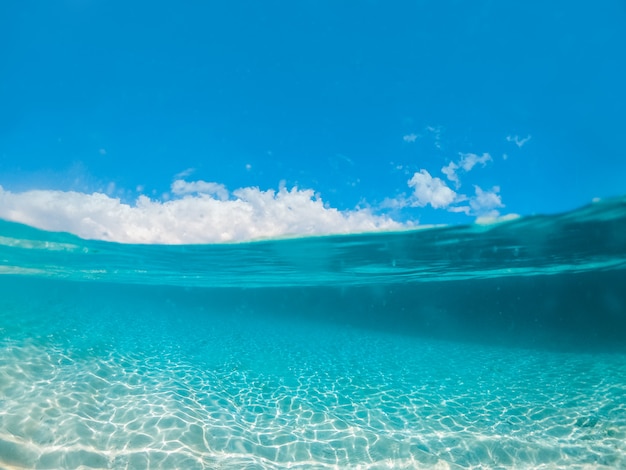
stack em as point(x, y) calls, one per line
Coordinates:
point(476, 346)
point(312, 235)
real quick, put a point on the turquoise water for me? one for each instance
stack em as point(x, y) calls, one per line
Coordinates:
point(499, 346)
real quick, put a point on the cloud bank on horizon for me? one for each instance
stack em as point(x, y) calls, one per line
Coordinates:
point(207, 212)
point(200, 212)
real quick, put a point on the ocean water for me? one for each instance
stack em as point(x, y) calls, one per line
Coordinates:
point(497, 346)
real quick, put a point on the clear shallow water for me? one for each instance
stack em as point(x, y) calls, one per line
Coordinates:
point(483, 347)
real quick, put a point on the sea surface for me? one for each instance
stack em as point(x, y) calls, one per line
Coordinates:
point(480, 346)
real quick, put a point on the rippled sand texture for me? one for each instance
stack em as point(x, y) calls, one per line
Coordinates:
point(310, 397)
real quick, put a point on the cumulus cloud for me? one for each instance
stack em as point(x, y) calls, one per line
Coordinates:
point(200, 212)
point(207, 212)
point(486, 203)
point(450, 172)
point(465, 163)
point(470, 160)
point(483, 204)
point(488, 199)
point(429, 190)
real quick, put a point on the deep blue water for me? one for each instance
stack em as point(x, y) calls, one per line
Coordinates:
point(500, 346)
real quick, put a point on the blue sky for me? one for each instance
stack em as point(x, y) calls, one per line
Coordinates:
point(418, 111)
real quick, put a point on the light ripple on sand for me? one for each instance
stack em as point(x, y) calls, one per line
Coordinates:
point(61, 409)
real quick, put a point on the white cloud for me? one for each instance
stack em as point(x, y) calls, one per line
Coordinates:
point(517, 140)
point(185, 173)
point(485, 203)
point(206, 212)
point(429, 190)
point(450, 171)
point(436, 131)
point(194, 215)
point(470, 160)
point(460, 209)
point(410, 137)
point(395, 203)
point(182, 187)
point(465, 163)
point(434, 191)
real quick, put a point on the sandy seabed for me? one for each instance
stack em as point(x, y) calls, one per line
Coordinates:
point(350, 399)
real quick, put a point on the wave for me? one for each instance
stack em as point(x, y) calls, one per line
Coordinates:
point(590, 238)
